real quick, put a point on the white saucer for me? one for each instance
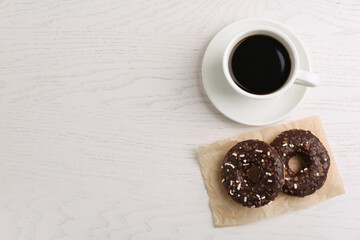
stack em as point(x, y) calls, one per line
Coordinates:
point(240, 108)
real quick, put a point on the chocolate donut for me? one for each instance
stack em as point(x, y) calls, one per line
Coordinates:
point(239, 159)
point(317, 161)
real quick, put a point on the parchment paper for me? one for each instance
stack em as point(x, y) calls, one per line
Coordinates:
point(227, 212)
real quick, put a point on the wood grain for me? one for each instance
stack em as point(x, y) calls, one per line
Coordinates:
point(102, 110)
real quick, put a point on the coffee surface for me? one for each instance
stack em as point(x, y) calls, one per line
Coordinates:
point(259, 64)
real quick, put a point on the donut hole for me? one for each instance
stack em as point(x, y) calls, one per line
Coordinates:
point(254, 174)
point(297, 162)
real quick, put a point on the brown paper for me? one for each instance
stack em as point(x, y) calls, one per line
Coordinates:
point(227, 212)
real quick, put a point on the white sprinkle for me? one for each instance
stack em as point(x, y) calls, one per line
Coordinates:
point(258, 196)
point(317, 174)
point(231, 182)
point(305, 169)
point(284, 154)
point(239, 186)
point(244, 160)
point(253, 206)
point(245, 180)
point(268, 153)
point(287, 179)
point(223, 180)
point(307, 142)
point(234, 154)
point(245, 199)
point(285, 144)
point(295, 185)
point(227, 170)
point(231, 193)
point(291, 145)
point(239, 147)
point(263, 197)
point(325, 159)
point(260, 151)
point(238, 195)
point(245, 164)
point(301, 171)
point(242, 155)
point(268, 174)
point(262, 160)
point(246, 185)
point(269, 180)
point(255, 155)
point(270, 202)
point(301, 144)
point(229, 164)
point(222, 166)
point(237, 181)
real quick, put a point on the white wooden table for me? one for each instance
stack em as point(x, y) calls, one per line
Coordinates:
point(102, 110)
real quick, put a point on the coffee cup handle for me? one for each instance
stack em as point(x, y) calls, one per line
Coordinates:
point(307, 79)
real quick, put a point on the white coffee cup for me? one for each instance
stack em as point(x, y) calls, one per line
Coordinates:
point(296, 75)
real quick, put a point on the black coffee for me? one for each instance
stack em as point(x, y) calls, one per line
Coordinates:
point(259, 64)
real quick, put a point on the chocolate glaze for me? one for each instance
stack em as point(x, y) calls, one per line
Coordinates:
point(239, 159)
point(317, 161)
